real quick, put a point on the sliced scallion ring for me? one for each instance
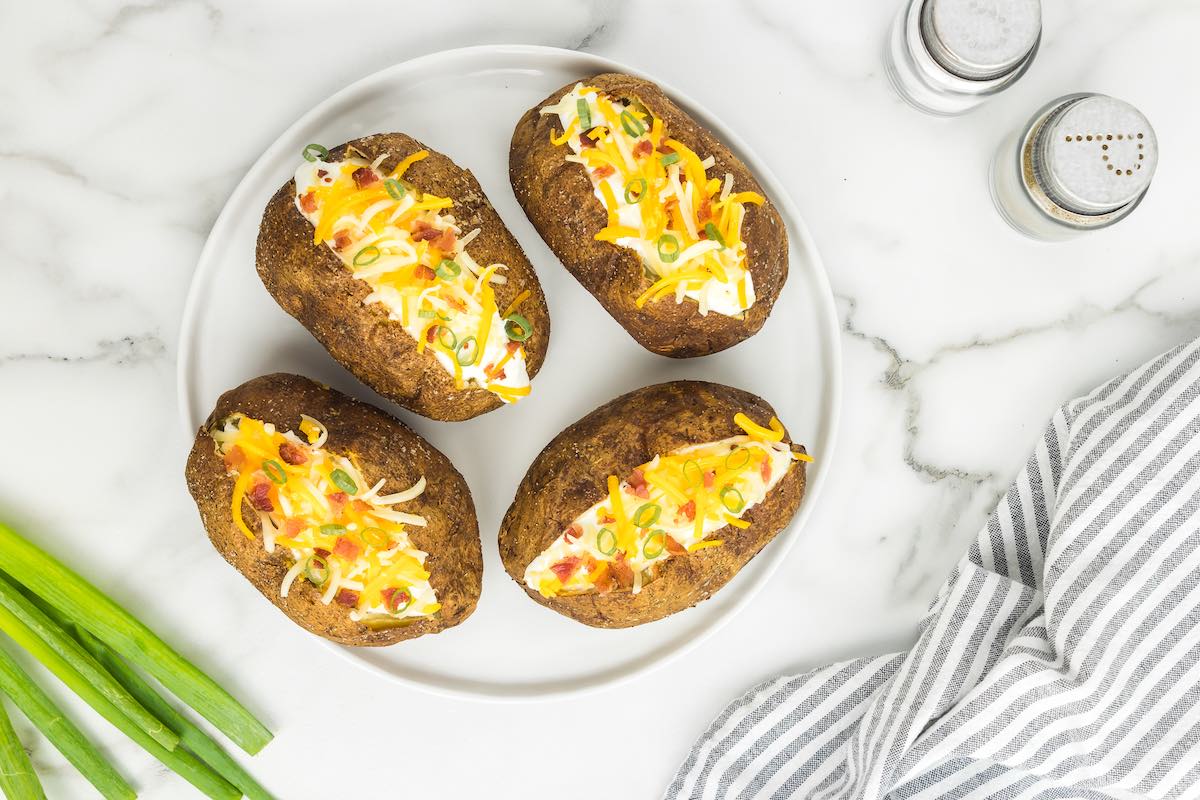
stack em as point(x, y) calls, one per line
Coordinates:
point(668, 248)
point(398, 600)
point(395, 188)
point(368, 255)
point(332, 529)
point(738, 502)
point(275, 472)
point(343, 481)
point(584, 113)
point(426, 313)
point(692, 473)
point(517, 328)
point(669, 159)
point(606, 541)
point(450, 343)
point(711, 232)
point(448, 269)
point(376, 537)
point(635, 191)
point(316, 570)
point(737, 458)
point(632, 125)
point(655, 544)
point(646, 515)
point(314, 152)
point(467, 352)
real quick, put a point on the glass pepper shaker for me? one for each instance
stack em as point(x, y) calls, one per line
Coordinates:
point(947, 56)
point(1083, 162)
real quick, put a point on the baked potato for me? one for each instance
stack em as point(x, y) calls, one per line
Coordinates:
point(392, 257)
point(651, 503)
point(665, 226)
point(348, 521)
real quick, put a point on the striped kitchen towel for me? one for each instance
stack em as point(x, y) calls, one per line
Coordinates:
point(1061, 659)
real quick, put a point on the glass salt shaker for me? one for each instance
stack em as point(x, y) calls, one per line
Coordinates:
point(947, 56)
point(1081, 163)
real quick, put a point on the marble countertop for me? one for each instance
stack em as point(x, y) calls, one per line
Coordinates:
point(125, 127)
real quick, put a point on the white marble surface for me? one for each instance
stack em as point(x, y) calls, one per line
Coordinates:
point(123, 127)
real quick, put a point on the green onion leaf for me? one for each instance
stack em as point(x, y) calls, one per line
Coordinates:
point(448, 269)
point(695, 475)
point(669, 159)
point(442, 333)
point(316, 570)
point(655, 544)
point(17, 778)
point(646, 515)
point(606, 541)
point(517, 328)
point(368, 255)
point(668, 248)
point(394, 188)
point(332, 529)
point(635, 191)
point(376, 537)
point(737, 458)
point(343, 481)
point(275, 471)
point(467, 353)
point(632, 125)
point(732, 499)
point(711, 231)
point(399, 600)
point(426, 313)
point(314, 152)
point(584, 113)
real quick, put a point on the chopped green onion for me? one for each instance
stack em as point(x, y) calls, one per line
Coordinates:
point(39, 709)
point(394, 188)
point(314, 152)
point(426, 313)
point(116, 627)
point(655, 543)
point(376, 537)
point(669, 159)
point(275, 471)
point(316, 570)
point(606, 541)
point(448, 269)
point(632, 125)
point(18, 781)
point(737, 463)
point(399, 600)
point(668, 248)
point(693, 479)
point(711, 232)
point(441, 337)
point(738, 501)
point(443, 317)
point(635, 190)
point(584, 113)
point(517, 328)
point(332, 529)
point(343, 481)
point(646, 515)
point(368, 255)
point(461, 355)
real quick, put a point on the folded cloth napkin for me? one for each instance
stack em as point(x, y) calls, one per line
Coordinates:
point(1061, 659)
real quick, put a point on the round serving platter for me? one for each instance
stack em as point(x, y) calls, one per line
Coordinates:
point(465, 103)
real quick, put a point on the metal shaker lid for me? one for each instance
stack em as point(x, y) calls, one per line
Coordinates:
point(981, 39)
point(1095, 154)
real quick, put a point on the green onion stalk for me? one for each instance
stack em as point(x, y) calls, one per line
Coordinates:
point(62, 733)
point(18, 781)
point(88, 607)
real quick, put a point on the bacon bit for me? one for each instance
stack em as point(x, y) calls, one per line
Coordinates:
point(512, 347)
point(643, 148)
point(424, 273)
point(322, 173)
point(235, 458)
point(431, 334)
point(321, 551)
point(361, 506)
point(688, 510)
point(346, 597)
point(424, 232)
point(586, 141)
point(292, 527)
point(637, 483)
point(260, 497)
point(704, 213)
point(607, 519)
point(674, 547)
point(342, 240)
point(573, 533)
point(344, 548)
point(402, 596)
point(292, 453)
point(308, 202)
point(765, 469)
point(671, 204)
point(603, 171)
point(456, 304)
point(622, 572)
point(566, 568)
point(364, 177)
point(710, 478)
point(665, 149)
point(447, 241)
point(338, 501)
point(604, 583)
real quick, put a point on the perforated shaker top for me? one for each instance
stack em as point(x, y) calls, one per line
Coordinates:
point(980, 39)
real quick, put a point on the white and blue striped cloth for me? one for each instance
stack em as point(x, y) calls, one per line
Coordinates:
point(1061, 659)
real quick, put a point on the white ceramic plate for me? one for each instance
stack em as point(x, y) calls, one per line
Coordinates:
point(465, 103)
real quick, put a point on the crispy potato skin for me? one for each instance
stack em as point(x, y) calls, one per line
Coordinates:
point(569, 475)
point(558, 199)
point(310, 282)
point(385, 448)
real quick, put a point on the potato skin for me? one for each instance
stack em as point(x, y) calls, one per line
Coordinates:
point(558, 199)
point(310, 282)
point(385, 448)
point(568, 477)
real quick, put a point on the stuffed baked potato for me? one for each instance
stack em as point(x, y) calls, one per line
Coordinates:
point(344, 518)
point(392, 257)
point(665, 226)
point(651, 503)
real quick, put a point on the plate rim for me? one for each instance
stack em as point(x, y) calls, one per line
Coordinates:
point(782, 543)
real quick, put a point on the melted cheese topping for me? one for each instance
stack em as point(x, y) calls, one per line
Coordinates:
point(669, 506)
point(685, 226)
point(408, 248)
point(341, 534)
